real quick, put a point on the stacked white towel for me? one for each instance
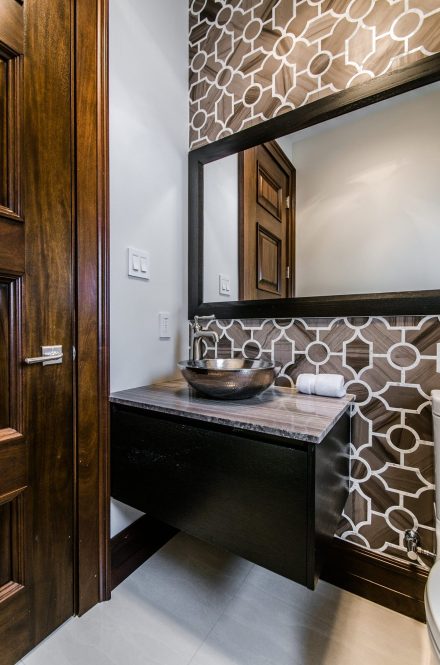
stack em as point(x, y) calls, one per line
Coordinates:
point(326, 385)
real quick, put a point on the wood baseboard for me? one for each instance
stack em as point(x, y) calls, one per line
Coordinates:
point(398, 585)
point(135, 544)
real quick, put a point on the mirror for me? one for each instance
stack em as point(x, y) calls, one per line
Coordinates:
point(347, 206)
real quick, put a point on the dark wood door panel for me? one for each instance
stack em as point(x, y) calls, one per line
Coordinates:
point(11, 24)
point(11, 86)
point(5, 544)
point(11, 246)
point(13, 462)
point(13, 543)
point(269, 192)
point(4, 357)
point(272, 184)
point(269, 265)
point(10, 349)
point(15, 624)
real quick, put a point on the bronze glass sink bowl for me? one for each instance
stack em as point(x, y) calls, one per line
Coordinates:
point(229, 378)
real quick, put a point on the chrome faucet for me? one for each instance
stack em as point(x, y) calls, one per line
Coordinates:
point(198, 333)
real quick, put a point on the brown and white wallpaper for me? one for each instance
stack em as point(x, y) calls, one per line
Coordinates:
point(391, 365)
point(251, 60)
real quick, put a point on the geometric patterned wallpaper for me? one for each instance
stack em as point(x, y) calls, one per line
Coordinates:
point(251, 60)
point(391, 365)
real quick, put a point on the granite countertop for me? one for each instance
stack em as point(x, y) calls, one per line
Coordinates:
point(281, 412)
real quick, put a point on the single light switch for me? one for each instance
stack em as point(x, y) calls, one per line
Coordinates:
point(164, 325)
point(138, 263)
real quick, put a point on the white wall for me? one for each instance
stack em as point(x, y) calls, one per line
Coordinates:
point(220, 254)
point(148, 191)
point(368, 199)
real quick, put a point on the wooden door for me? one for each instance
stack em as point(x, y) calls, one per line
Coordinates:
point(267, 231)
point(36, 305)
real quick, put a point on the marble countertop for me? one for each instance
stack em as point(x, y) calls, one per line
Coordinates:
point(281, 412)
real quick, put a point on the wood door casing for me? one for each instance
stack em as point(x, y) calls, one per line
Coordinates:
point(36, 308)
point(266, 223)
point(92, 234)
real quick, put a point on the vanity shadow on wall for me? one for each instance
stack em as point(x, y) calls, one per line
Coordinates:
point(206, 270)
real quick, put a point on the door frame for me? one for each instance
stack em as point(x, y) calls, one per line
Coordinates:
point(91, 205)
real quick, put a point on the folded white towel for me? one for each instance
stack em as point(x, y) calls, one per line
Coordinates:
point(305, 383)
point(326, 385)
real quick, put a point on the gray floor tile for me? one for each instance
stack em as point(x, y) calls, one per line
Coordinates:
point(260, 629)
point(193, 603)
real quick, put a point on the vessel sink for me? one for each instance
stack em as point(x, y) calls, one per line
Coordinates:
point(229, 378)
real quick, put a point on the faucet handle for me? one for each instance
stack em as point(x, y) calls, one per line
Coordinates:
point(198, 319)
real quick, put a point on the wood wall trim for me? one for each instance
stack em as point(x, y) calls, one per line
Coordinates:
point(396, 584)
point(92, 328)
point(135, 544)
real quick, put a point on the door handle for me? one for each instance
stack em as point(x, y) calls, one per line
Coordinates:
point(50, 355)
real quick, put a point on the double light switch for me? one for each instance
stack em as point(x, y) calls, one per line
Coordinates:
point(138, 263)
point(224, 285)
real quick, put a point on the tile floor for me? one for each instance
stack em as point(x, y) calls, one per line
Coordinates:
point(193, 604)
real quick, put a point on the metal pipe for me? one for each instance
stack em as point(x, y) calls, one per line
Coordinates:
point(413, 549)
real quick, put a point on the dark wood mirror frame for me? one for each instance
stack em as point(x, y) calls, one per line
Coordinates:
point(396, 303)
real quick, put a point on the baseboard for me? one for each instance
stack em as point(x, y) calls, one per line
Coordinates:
point(135, 544)
point(398, 585)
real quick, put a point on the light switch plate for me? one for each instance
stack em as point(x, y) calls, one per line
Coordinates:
point(224, 285)
point(138, 263)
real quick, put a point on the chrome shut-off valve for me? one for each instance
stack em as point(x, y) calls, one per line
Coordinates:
point(412, 542)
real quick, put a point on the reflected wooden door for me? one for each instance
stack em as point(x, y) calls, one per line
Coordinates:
point(267, 223)
point(36, 304)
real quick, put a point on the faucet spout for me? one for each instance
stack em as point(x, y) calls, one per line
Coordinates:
point(198, 334)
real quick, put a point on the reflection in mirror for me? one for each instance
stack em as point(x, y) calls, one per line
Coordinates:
point(348, 206)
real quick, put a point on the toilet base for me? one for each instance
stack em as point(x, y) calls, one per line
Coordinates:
point(435, 654)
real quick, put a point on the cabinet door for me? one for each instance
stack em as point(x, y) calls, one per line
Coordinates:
point(243, 494)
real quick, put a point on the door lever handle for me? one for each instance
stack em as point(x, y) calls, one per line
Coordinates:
point(50, 355)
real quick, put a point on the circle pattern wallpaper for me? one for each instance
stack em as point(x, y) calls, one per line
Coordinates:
point(390, 365)
point(251, 60)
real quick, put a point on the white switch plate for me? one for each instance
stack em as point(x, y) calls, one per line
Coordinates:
point(138, 263)
point(224, 285)
point(164, 325)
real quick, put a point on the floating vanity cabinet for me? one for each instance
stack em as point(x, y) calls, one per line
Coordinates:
point(265, 478)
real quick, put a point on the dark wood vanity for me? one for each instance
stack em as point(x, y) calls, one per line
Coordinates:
point(265, 478)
